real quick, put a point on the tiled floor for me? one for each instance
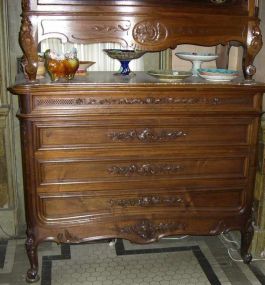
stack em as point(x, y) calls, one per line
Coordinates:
point(189, 261)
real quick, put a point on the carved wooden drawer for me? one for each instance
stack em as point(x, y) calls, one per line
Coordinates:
point(151, 100)
point(92, 205)
point(138, 166)
point(119, 132)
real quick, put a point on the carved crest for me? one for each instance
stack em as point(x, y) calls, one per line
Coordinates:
point(150, 32)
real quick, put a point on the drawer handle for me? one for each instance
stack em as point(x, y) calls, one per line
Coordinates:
point(147, 135)
point(147, 201)
point(144, 169)
point(218, 1)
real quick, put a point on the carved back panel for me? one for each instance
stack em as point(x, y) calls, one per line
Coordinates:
point(141, 24)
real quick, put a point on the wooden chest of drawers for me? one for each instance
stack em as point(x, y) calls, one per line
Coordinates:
point(133, 157)
point(138, 161)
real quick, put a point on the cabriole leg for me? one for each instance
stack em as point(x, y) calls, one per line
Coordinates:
point(246, 238)
point(32, 247)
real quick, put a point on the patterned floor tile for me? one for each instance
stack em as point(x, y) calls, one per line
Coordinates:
point(189, 261)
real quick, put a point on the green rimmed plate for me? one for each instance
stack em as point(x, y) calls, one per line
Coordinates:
point(172, 75)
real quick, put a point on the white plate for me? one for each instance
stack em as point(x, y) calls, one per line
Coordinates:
point(193, 56)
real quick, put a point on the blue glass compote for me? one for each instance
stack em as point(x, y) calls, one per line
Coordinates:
point(124, 56)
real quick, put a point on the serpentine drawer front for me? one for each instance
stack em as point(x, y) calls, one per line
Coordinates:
point(56, 207)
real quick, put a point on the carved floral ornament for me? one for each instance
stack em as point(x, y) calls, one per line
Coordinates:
point(40, 101)
point(145, 169)
point(148, 230)
point(67, 237)
point(147, 135)
point(148, 201)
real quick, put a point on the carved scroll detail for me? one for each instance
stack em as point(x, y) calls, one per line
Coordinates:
point(148, 230)
point(29, 47)
point(148, 201)
point(25, 5)
point(254, 45)
point(150, 32)
point(67, 237)
point(144, 169)
point(108, 28)
point(147, 135)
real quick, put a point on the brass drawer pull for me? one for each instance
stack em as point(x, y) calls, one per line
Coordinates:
point(147, 135)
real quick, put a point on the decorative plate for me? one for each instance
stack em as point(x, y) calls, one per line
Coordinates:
point(194, 56)
point(169, 74)
point(214, 74)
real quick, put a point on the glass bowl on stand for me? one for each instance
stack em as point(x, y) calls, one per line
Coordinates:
point(124, 57)
point(196, 59)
